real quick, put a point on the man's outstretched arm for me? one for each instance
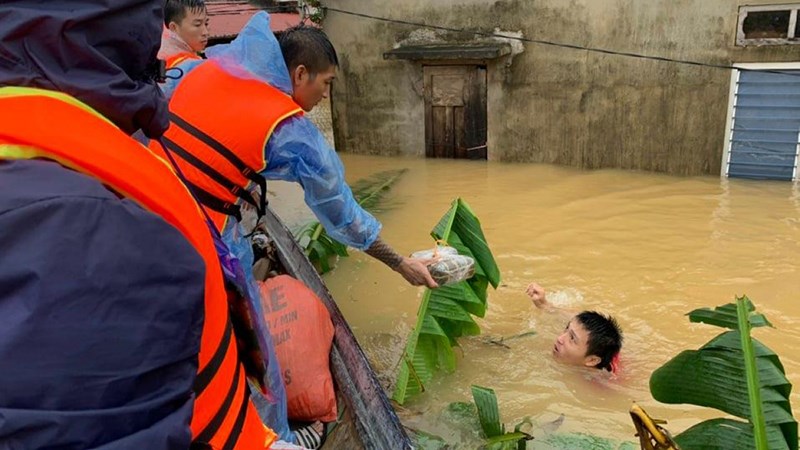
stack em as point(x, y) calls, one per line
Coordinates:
point(414, 270)
point(297, 152)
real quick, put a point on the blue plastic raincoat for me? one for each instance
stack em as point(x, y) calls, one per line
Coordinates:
point(296, 151)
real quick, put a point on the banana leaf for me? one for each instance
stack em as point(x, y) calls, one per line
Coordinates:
point(493, 429)
point(370, 194)
point(445, 313)
point(736, 374)
point(725, 316)
point(461, 229)
point(727, 434)
point(488, 412)
point(318, 246)
point(507, 441)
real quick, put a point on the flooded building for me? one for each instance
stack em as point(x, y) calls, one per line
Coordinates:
point(493, 81)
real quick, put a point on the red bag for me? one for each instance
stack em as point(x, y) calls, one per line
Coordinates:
point(302, 333)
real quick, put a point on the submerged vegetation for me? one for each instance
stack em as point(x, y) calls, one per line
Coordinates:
point(370, 193)
point(493, 428)
point(478, 424)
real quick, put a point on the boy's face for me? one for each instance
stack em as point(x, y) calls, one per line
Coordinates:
point(571, 346)
point(193, 29)
point(309, 90)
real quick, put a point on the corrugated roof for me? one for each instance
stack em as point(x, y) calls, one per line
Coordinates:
point(226, 18)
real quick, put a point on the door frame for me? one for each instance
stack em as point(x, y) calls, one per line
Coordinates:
point(472, 67)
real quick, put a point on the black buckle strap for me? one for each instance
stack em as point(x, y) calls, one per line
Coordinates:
point(220, 206)
point(211, 172)
point(262, 184)
point(243, 168)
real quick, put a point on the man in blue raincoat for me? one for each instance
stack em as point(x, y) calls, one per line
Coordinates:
point(240, 112)
point(296, 150)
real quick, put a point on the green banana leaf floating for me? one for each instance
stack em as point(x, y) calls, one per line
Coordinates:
point(736, 374)
point(445, 313)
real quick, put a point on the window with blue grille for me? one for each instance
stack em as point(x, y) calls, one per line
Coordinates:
point(765, 125)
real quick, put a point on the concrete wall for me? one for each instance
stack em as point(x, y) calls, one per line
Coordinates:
point(321, 117)
point(550, 104)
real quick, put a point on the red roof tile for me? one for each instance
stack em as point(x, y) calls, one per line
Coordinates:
point(226, 19)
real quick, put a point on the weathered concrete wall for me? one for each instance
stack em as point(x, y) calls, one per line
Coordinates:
point(553, 104)
point(322, 118)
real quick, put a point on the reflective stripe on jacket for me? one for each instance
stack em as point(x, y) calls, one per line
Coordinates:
point(178, 58)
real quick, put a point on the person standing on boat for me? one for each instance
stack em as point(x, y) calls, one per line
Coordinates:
point(114, 323)
point(237, 119)
point(185, 33)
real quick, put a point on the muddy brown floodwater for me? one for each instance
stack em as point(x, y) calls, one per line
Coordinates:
point(644, 247)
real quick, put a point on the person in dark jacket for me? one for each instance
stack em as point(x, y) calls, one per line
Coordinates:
point(101, 300)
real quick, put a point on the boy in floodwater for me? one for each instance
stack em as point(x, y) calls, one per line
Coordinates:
point(590, 339)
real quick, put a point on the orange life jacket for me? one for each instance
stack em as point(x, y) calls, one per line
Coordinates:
point(43, 124)
point(219, 129)
point(178, 58)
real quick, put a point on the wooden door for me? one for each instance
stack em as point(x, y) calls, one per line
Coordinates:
point(455, 111)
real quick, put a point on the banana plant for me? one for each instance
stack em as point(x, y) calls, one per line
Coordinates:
point(445, 313)
point(370, 194)
point(493, 429)
point(736, 374)
point(319, 247)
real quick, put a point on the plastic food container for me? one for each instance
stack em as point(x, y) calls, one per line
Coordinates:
point(450, 268)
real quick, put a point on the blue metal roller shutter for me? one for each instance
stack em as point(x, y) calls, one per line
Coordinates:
point(766, 126)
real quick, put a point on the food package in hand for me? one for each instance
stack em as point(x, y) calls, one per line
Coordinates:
point(450, 267)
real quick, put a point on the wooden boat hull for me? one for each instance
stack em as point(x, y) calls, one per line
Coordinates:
point(368, 410)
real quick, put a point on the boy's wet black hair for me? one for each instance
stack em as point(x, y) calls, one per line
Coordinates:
point(175, 10)
point(308, 46)
point(605, 337)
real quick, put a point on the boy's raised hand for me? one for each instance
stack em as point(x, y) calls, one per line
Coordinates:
point(537, 295)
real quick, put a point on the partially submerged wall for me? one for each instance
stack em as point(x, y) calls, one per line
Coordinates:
point(551, 104)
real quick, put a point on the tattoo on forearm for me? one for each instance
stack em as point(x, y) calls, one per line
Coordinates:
point(384, 253)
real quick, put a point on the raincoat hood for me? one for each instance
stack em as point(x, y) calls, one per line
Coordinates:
point(95, 50)
point(172, 44)
point(255, 54)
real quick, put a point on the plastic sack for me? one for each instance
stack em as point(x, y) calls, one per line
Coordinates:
point(450, 268)
point(303, 334)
